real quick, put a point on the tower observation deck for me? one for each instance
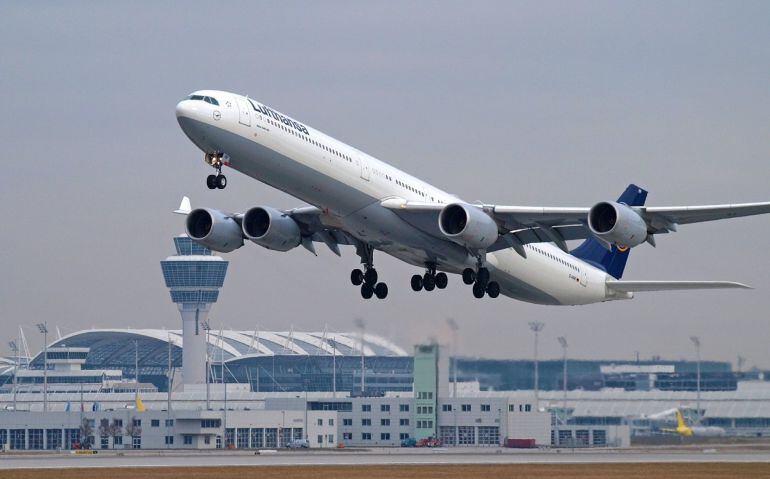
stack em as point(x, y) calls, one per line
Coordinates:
point(194, 276)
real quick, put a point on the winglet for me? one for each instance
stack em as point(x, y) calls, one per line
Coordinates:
point(184, 207)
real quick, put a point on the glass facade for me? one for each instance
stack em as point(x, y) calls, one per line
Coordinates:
point(184, 273)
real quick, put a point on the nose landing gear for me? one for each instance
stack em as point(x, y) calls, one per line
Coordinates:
point(218, 181)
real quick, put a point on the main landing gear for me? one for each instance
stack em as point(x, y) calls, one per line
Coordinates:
point(367, 278)
point(218, 181)
point(481, 283)
point(430, 280)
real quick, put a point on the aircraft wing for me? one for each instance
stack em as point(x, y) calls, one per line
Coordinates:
point(521, 225)
point(645, 286)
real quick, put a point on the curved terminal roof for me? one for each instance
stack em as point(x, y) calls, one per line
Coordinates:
point(117, 346)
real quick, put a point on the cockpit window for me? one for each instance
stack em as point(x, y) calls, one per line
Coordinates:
point(207, 99)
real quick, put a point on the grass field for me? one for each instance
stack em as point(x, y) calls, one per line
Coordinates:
point(538, 471)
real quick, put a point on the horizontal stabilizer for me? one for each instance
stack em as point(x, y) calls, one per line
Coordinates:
point(184, 207)
point(642, 286)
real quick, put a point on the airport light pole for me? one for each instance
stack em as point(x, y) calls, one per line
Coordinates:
point(536, 327)
point(43, 327)
point(563, 342)
point(361, 325)
point(696, 342)
point(207, 328)
point(454, 327)
point(15, 348)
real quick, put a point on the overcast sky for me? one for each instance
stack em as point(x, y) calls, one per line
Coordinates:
point(519, 103)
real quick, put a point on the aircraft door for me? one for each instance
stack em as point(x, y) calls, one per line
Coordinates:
point(365, 172)
point(244, 111)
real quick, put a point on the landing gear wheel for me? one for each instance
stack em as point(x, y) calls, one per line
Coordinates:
point(441, 280)
point(493, 289)
point(381, 290)
point(416, 282)
point(370, 277)
point(469, 276)
point(482, 276)
point(478, 291)
point(356, 277)
point(221, 181)
point(429, 282)
point(211, 181)
point(367, 290)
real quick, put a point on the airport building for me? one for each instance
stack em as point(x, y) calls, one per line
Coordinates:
point(201, 387)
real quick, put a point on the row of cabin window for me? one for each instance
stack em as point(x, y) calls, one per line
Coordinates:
point(556, 258)
point(346, 157)
point(311, 141)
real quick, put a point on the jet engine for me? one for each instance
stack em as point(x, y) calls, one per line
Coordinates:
point(214, 229)
point(271, 228)
point(617, 224)
point(467, 225)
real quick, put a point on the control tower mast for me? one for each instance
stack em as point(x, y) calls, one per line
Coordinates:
point(194, 276)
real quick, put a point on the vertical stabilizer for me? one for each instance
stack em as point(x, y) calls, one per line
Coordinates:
point(614, 260)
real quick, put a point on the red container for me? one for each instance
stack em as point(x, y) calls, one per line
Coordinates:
point(520, 443)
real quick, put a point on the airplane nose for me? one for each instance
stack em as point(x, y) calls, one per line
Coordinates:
point(185, 109)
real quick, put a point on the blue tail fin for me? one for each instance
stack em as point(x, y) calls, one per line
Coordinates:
point(614, 261)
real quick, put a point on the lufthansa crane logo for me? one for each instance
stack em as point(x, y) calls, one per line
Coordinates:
point(217, 115)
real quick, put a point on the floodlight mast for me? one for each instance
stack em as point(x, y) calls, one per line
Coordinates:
point(43, 327)
point(362, 326)
point(563, 343)
point(454, 327)
point(536, 327)
point(696, 342)
point(15, 349)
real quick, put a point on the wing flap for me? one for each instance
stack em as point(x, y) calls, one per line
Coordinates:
point(646, 286)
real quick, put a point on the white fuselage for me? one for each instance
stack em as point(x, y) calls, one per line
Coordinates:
point(349, 186)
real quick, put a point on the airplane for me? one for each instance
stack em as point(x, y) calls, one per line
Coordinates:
point(355, 199)
point(689, 431)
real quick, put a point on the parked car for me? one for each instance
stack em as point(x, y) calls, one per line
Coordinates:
point(298, 444)
point(409, 442)
point(428, 442)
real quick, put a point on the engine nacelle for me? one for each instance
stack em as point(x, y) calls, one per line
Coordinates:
point(271, 229)
point(467, 225)
point(214, 229)
point(617, 224)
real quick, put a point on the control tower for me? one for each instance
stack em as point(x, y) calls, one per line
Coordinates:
point(193, 276)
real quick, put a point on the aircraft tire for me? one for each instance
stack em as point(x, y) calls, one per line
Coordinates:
point(469, 276)
point(441, 280)
point(370, 277)
point(493, 289)
point(381, 290)
point(211, 181)
point(221, 181)
point(367, 290)
point(356, 277)
point(429, 282)
point(416, 282)
point(478, 291)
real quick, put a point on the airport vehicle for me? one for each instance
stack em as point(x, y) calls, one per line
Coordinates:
point(409, 442)
point(298, 444)
point(517, 251)
point(698, 431)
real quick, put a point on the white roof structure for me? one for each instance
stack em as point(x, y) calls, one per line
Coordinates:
point(226, 344)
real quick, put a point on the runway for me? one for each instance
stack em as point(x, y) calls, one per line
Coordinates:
point(114, 459)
